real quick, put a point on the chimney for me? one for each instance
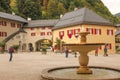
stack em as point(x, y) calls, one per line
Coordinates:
point(75, 9)
point(13, 13)
point(61, 16)
point(29, 19)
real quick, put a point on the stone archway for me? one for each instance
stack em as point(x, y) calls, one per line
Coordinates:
point(41, 42)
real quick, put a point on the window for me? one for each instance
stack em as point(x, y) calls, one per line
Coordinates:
point(109, 32)
point(61, 34)
point(19, 25)
point(109, 46)
point(89, 30)
point(76, 31)
point(3, 34)
point(70, 33)
point(32, 34)
point(42, 33)
point(4, 23)
point(13, 25)
point(49, 33)
point(97, 31)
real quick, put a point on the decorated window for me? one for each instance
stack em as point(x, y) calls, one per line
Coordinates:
point(70, 33)
point(61, 34)
point(76, 31)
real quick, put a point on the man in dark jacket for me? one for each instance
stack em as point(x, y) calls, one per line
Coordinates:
point(11, 50)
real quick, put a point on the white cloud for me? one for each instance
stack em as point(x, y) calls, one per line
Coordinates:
point(112, 5)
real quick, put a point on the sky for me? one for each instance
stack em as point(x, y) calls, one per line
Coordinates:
point(112, 5)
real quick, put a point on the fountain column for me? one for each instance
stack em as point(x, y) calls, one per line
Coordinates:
point(83, 58)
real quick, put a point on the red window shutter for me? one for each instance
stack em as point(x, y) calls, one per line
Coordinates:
point(92, 31)
point(78, 30)
point(100, 47)
point(112, 32)
point(86, 29)
point(74, 31)
point(110, 46)
point(100, 31)
point(107, 32)
point(0, 22)
point(5, 34)
point(40, 33)
point(50, 33)
point(0, 34)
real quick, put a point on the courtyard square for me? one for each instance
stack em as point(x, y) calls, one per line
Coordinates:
point(29, 65)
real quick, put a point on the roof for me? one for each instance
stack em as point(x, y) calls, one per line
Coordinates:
point(13, 34)
point(41, 23)
point(117, 32)
point(81, 16)
point(12, 17)
point(117, 15)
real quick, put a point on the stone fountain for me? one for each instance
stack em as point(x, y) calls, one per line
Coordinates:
point(84, 72)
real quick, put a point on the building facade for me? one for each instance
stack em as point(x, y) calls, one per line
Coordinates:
point(101, 30)
point(38, 32)
point(9, 28)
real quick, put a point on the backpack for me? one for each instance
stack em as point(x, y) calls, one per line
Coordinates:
point(11, 50)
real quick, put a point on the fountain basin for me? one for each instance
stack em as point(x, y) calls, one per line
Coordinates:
point(69, 73)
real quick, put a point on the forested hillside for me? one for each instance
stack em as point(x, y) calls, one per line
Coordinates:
point(52, 9)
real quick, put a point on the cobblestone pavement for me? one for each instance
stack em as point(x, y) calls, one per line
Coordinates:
point(28, 66)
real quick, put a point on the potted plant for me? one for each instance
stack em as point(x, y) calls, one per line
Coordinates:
point(44, 49)
point(2, 46)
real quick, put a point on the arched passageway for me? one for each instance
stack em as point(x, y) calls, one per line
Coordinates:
point(42, 42)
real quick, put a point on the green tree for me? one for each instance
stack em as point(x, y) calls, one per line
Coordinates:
point(61, 9)
point(52, 9)
point(13, 5)
point(29, 9)
point(72, 6)
point(4, 6)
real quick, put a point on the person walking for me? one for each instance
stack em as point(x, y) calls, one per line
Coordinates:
point(75, 54)
point(96, 52)
point(66, 52)
point(11, 50)
point(105, 50)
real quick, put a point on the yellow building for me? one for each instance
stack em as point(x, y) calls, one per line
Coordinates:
point(10, 28)
point(101, 30)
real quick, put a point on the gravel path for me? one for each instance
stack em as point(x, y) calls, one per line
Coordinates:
point(28, 66)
